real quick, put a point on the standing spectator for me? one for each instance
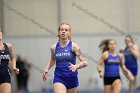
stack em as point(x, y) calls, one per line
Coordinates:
point(23, 76)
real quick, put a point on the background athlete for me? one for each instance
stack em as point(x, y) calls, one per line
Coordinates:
point(131, 54)
point(112, 60)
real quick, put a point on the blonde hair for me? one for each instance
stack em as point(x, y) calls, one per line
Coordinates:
point(69, 38)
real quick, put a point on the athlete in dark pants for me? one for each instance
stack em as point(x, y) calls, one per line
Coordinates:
point(64, 53)
point(112, 60)
point(6, 55)
point(131, 54)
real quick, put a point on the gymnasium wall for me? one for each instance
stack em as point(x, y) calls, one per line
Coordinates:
point(136, 16)
point(24, 17)
point(31, 17)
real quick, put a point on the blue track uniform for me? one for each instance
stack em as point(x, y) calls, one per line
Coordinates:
point(131, 62)
point(111, 72)
point(62, 73)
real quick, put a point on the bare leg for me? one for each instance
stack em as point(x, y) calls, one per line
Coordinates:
point(59, 88)
point(73, 90)
point(131, 86)
point(131, 81)
point(117, 86)
point(5, 88)
point(107, 89)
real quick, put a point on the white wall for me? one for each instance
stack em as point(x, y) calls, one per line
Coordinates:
point(37, 51)
point(123, 14)
point(78, 13)
point(136, 15)
point(25, 17)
